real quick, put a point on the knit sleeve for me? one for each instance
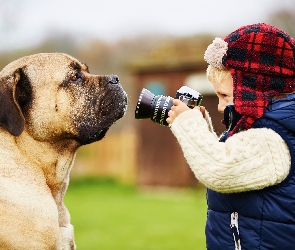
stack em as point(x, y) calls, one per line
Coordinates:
point(249, 160)
point(209, 122)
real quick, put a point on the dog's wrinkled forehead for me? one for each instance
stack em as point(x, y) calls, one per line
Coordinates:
point(45, 66)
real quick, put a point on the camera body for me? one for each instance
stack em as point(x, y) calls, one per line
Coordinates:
point(157, 107)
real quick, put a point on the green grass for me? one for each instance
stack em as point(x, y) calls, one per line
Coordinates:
point(110, 216)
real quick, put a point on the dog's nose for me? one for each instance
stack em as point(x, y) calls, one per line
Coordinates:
point(113, 79)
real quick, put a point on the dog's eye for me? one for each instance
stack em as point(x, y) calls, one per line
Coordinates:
point(76, 77)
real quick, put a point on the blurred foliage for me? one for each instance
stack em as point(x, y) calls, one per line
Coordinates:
point(285, 20)
point(181, 52)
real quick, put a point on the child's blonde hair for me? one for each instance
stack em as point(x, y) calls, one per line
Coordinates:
point(217, 75)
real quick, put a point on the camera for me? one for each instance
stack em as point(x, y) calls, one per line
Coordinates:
point(156, 107)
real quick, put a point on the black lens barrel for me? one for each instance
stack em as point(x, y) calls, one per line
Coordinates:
point(160, 108)
point(142, 110)
point(154, 107)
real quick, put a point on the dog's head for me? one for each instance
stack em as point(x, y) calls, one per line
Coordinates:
point(53, 96)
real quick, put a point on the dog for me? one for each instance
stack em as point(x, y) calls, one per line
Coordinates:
point(50, 106)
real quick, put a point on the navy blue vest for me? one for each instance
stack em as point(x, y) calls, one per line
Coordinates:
point(262, 219)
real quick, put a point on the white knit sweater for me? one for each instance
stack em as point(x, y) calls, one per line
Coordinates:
point(248, 160)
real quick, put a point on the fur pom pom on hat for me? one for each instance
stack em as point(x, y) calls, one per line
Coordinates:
point(261, 59)
point(215, 52)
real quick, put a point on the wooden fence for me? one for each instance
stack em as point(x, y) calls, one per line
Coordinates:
point(114, 156)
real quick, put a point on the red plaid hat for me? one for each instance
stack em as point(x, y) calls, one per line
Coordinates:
point(261, 59)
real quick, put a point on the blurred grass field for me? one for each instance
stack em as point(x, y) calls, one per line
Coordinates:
point(111, 216)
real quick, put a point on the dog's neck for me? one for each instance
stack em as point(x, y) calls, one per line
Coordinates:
point(55, 159)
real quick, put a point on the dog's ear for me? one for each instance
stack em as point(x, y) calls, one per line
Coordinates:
point(11, 116)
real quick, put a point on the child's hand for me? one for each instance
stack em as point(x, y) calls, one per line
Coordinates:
point(202, 109)
point(179, 107)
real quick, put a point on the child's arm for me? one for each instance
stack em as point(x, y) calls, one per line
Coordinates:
point(180, 107)
point(209, 122)
point(249, 160)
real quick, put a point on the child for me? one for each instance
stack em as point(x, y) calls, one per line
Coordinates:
point(249, 171)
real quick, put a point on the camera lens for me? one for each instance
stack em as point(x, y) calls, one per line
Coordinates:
point(160, 108)
point(154, 107)
point(157, 107)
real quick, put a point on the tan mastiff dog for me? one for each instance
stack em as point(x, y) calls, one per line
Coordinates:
point(50, 106)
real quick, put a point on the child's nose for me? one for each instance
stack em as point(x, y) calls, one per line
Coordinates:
point(221, 106)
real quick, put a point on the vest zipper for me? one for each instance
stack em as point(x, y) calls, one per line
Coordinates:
point(235, 230)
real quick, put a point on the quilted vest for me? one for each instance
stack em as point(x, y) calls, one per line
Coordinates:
point(262, 219)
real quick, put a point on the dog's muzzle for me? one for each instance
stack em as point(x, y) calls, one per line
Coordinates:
point(112, 105)
point(114, 80)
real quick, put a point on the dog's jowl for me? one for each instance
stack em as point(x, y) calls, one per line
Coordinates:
point(50, 106)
